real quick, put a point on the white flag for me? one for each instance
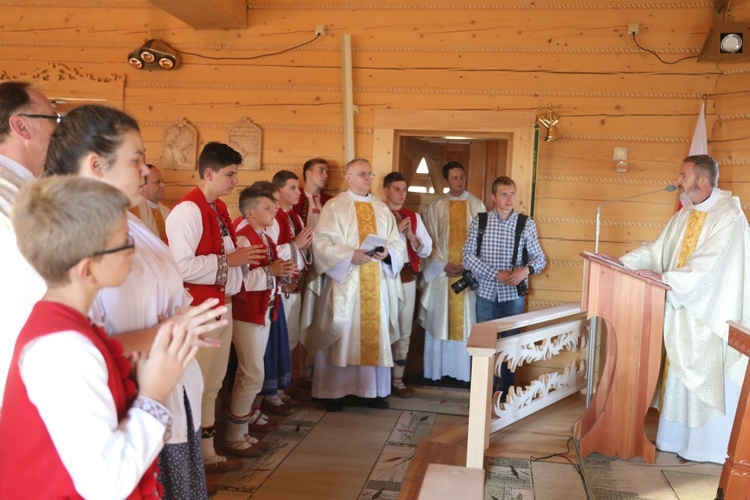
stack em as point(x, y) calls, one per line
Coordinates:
point(699, 146)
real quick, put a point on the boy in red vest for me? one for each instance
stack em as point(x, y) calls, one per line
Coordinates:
point(74, 424)
point(253, 313)
point(418, 245)
point(203, 243)
point(315, 172)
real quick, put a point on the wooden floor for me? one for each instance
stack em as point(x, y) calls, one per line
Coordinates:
point(545, 433)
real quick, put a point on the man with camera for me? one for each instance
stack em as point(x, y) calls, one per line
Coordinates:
point(502, 255)
point(447, 317)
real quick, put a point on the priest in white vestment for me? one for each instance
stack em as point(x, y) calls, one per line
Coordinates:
point(448, 317)
point(702, 255)
point(356, 319)
point(28, 120)
point(151, 211)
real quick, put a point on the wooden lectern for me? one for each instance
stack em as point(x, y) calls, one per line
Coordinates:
point(613, 424)
point(735, 476)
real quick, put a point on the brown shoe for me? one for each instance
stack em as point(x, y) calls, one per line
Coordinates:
point(267, 427)
point(403, 391)
point(223, 464)
point(283, 410)
point(254, 451)
point(211, 488)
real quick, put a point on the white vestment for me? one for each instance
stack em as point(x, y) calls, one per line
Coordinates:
point(712, 287)
point(147, 216)
point(443, 357)
point(21, 286)
point(153, 288)
point(336, 284)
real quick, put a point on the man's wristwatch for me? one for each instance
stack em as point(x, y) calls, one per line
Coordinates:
point(531, 269)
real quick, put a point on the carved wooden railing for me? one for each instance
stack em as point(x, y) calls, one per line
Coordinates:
point(562, 328)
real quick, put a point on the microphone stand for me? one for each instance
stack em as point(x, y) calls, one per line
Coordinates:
point(592, 321)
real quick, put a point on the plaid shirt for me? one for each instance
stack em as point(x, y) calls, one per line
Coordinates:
point(497, 252)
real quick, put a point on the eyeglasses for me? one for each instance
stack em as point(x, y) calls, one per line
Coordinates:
point(56, 117)
point(129, 245)
point(364, 175)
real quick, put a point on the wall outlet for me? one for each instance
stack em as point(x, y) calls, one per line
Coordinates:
point(634, 28)
point(320, 29)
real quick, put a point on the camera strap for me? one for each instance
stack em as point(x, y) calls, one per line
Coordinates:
point(480, 233)
point(520, 224)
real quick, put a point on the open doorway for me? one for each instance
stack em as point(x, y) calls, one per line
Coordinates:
point(421, 158)
point(487, 143)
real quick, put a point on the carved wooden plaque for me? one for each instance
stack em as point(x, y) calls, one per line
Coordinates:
point(180, 146)
point(245, 137)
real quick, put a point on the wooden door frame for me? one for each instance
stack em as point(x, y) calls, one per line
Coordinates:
point(517, 127)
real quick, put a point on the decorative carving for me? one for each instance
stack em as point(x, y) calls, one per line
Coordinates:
point(59, 72)
point(539, 391)
point(180, 146)
point(245, 137)
point(516, 353)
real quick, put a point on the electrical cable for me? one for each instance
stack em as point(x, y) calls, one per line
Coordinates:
point(657, 55)
point(247, 58)
point(561, 455)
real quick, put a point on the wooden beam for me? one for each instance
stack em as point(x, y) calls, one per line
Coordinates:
point(207, 14)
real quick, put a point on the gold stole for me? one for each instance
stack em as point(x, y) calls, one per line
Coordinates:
point(160, 223)
point(135, 211)
point(689, 242)
point(457, 229)
point(369, 291)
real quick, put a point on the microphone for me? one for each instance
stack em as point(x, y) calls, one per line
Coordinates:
point(671, 188)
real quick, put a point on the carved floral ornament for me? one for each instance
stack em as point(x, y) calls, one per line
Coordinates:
point(539, 346)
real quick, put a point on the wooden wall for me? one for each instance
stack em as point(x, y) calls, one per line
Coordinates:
point(425, 55)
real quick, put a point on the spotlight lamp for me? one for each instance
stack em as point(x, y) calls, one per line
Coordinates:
point(154, 54)
point(725, 40)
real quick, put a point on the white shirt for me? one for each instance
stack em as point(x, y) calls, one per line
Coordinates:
point(284, 250)
point(255, 279)
point(184, 230)
point(153, 288)
point(424, 238)
point(20, 285)
point(105, 458)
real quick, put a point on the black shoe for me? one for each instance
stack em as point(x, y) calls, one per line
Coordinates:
point(377, 403)
point(334, 406)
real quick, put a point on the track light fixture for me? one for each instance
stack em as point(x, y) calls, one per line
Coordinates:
point(154, 54)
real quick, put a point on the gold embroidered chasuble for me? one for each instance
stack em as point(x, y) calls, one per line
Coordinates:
point(443, 314)
point(703, 255)
point(456, 241)
point(369, 290)
point(350, 312)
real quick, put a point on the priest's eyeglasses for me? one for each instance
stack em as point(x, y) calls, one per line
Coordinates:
point(56, 117)
point(129, 245)
point(364, 175)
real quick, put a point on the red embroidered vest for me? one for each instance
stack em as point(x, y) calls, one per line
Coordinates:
point(252, 306)
point(30, 466)
point(285, 232)
point(210, 242)
point(413, 257)
point(303, 205)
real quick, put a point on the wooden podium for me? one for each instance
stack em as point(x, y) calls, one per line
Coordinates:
point(735, 476)
point(613, 424)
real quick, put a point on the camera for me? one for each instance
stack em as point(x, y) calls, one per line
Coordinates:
point(522, 288)
point(467, 280)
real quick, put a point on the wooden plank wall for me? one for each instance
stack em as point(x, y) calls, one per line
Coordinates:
point(515, 56)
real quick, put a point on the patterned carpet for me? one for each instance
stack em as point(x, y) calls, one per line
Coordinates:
point(606, 479)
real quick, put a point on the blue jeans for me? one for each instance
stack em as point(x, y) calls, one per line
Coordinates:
point(487, 310)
